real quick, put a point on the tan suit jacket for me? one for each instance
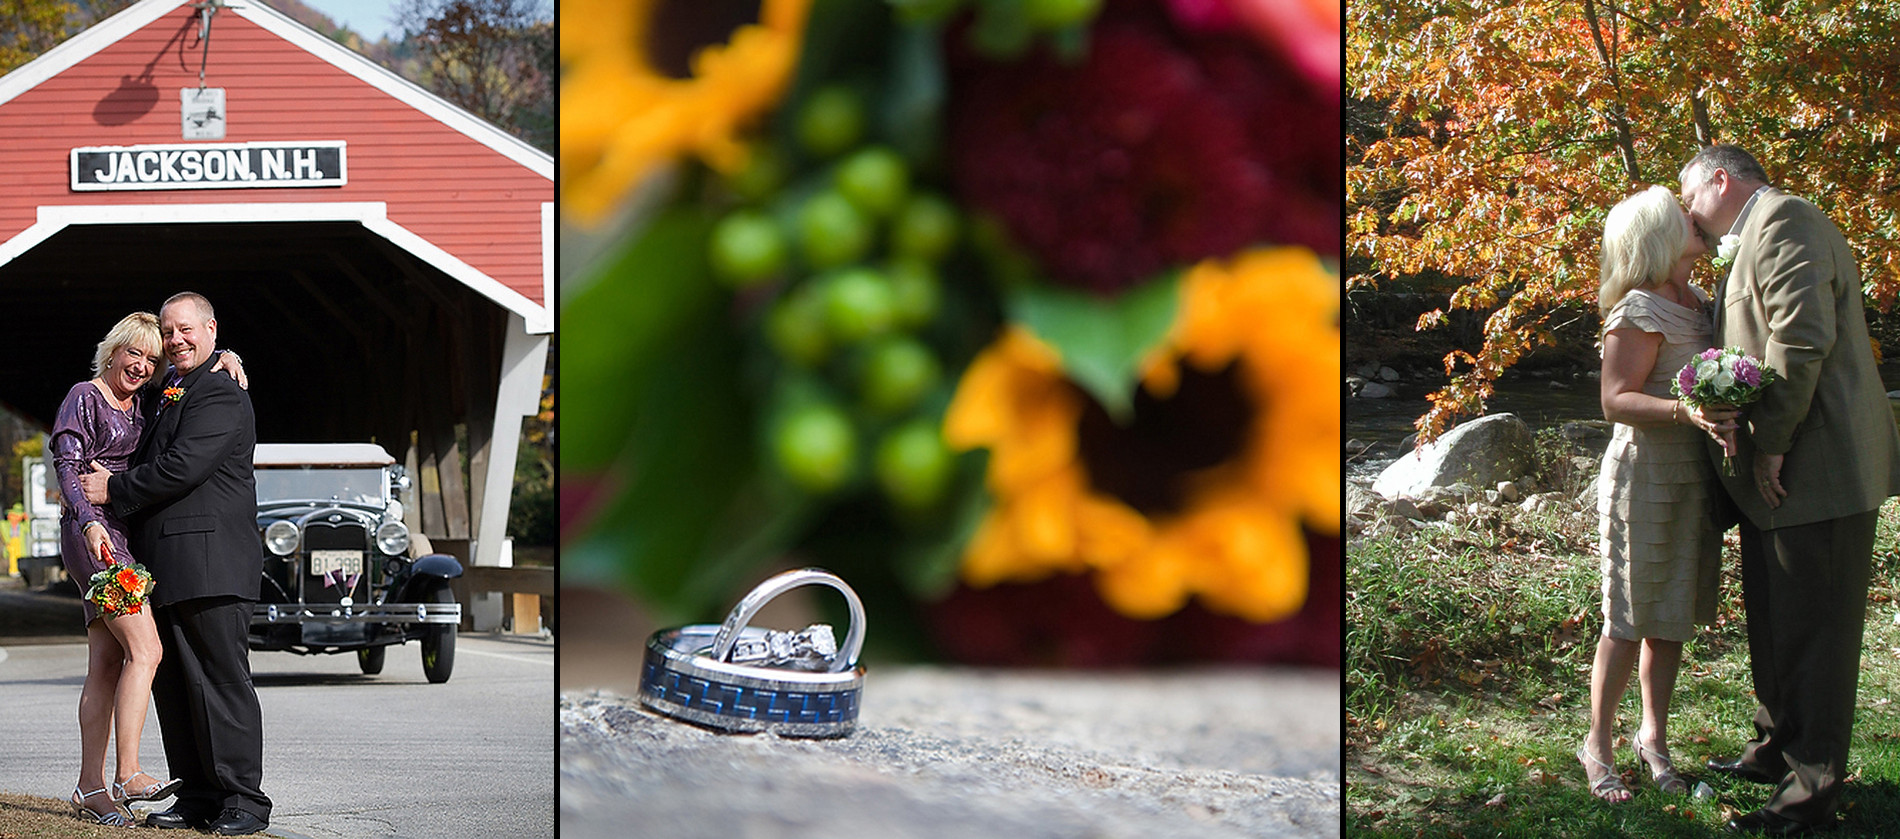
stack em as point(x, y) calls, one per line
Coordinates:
point(1792, 298)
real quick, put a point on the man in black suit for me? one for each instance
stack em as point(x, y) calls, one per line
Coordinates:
point(192, 503)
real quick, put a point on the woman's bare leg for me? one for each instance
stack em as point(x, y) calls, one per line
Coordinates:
point(1610, 676)
point(1661, 660)
point(104, 658)
point(138, 635)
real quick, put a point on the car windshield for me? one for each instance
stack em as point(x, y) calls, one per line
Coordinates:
point(354, 486)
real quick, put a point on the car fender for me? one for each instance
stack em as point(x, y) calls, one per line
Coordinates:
point(426, 575)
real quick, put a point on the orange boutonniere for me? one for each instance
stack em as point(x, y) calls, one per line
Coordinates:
point(173, 393)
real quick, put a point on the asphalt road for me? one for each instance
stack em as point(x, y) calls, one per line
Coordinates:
point(345, 755)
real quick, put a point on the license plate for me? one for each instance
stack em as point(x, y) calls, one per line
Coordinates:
point(347, 562)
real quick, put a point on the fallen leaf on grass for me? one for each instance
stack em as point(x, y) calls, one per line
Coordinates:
point(1496, 801)
point(1567, 631)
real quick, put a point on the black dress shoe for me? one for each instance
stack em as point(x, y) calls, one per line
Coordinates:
point(1768, 824)
point(176, 818)
point(235, 822)
point(1737, 769)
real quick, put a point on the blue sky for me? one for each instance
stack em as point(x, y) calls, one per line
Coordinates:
point(373, 19)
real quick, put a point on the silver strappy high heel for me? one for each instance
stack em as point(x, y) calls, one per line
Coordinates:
point(1666, 778)
point(1610, 784)
point(115, 818)
point(157, 790)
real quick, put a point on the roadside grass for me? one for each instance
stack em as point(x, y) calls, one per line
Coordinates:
point(24, 816)
point(1467, 691)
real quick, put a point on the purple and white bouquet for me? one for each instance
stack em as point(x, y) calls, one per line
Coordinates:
point(1723, 376)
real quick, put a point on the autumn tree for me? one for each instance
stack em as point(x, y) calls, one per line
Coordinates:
point(494, 58)
point(30, 27)
point(1491, 138)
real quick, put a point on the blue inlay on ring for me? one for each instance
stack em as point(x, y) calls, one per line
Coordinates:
point(726, 699)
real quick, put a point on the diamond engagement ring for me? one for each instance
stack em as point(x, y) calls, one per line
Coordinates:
point(739, 678)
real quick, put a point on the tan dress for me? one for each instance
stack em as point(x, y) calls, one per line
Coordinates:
point(1661, 551)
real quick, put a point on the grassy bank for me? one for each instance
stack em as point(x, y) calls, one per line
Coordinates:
point(1468, 665)
point(23, 816)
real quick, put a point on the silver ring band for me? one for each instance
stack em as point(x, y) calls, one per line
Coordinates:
point(741, 615)
point(679, 680)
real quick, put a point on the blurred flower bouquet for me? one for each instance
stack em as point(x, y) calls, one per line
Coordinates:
point(119, 589)
point(962, 298)
point(1723, 376)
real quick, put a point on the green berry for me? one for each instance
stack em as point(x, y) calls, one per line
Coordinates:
point(796, 328)
point(816, 446)
point(746, 248)
point(831, 121)
point(831, 231)
point(762, 176)
point(898, 372)
point(916, 292)
point(876, 179)
point(926, 228)
point(859, 304)
point(913, 465)
point(1056, 14)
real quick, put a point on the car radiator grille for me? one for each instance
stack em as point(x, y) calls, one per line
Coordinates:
point(323, 536)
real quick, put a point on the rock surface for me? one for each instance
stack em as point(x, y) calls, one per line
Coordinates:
point(1481, 452)
point(969, 753)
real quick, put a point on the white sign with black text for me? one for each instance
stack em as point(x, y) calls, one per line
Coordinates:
point(210, 166)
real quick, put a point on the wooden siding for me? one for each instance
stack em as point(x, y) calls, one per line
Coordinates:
point(464, 197)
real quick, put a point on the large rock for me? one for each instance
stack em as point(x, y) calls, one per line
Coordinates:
point(1481, 453)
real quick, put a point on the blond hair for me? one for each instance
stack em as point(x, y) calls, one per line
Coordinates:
point(139, 329)
point(1643, 236)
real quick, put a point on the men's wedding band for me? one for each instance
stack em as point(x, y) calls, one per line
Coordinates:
point(687, 673)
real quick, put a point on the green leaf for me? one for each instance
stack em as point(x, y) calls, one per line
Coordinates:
point(1101, 341)
point(613, 331)
point(653, 398)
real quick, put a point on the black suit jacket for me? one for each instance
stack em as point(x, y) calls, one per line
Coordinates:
point(190, 497)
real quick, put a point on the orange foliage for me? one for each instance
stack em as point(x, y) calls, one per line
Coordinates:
point(1510, 129)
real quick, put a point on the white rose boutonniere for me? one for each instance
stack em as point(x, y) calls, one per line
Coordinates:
point(1725, 250)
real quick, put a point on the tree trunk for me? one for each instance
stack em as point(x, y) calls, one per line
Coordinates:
point(1618, 117)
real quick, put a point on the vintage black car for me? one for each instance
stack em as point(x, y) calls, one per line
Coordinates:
point(339, 575)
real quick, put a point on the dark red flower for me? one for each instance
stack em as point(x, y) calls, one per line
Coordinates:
point(1158, 150)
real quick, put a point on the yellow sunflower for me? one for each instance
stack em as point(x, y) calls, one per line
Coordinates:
point(622, 115)
point(1233, 446)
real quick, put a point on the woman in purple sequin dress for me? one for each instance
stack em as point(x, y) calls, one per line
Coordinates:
point(99, 422)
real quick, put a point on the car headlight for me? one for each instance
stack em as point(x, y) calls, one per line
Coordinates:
point(281, 538)
point(392, 538)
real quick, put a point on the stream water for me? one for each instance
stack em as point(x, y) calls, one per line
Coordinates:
point(1540, 402)
point(1536, 401)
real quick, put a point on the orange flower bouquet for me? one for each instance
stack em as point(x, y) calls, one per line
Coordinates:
point(119, 589)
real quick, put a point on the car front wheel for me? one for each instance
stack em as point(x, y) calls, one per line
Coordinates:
point(371, 659)
point(438, 643)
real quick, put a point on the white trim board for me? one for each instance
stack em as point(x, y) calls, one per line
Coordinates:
point(139, 15)
point(373, 215)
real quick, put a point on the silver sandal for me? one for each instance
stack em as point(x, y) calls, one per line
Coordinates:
point(1666, 780)
point(116, 818)
point(159, 789)
point(1610, 783)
